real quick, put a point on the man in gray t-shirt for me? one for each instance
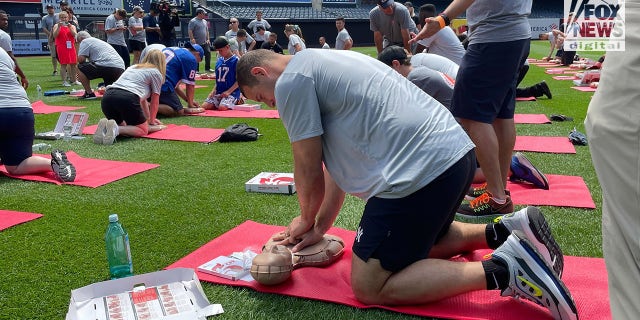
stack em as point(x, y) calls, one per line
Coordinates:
point(199, 34)
point(343, 39)
point(97, 59)
point(48, 22)
point(391, 24)
point(371, 133)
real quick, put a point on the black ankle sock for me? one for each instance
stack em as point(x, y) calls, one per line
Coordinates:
point(496, 234)
point(496, 274)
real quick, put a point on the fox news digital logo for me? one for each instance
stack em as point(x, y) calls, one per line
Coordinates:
point(594, 25)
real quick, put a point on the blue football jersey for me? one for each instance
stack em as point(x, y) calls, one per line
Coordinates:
point(181, 67)
point(226, 75)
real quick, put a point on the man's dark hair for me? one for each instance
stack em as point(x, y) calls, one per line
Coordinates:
point(427, 11)
point(251, 59)
point(340, 19)
point(241, 33)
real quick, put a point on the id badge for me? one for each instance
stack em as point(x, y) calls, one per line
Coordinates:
point(69, 44)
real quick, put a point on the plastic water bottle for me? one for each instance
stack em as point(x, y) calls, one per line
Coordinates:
point(118, 251)
point(39, 89)
point(40, 147)
point(67, 129)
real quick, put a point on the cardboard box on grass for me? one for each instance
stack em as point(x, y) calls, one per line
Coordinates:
point(271, 182)
point(174, 294)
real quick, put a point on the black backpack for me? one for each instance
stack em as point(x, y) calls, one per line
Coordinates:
point(239, 132)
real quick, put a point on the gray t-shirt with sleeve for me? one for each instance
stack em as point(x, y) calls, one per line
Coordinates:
point(101, 53)
point(117, 37)
point(140, 81)
point(12, 94)
point(199, 28)
point(140, 35)
point(381, 135)
point(391, 26)
point(341, 38)
point(48, 22)
point(498, 21)
point(434, 83)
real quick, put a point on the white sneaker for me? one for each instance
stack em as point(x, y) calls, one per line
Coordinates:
point(78, 83)
point(66, 84)
point(111, 132)
point(98, 136)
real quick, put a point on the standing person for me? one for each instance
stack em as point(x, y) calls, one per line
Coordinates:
point(6, 44)
point(114, 28)
point(73, 19)
point(296, 41)
point(612, 125)
point(500, 35)
point(47, 27)
point(226, 84)
point(272, 44)
point(403, 153)
point(445, 42)
point(17, 130)
point(253, 27)
point(391, 24)
point(199, 34)
point(182, 65)
point(323, 43)
point(97, 59)
point(343, 39)
point(137, 34)
point(151, 28)
point(125, 104)
point(65, 33)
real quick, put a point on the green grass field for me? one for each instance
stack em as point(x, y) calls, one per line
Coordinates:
point(197, 194)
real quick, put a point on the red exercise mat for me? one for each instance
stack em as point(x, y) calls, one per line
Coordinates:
point(584, 89)
point(544, 144)
point(176, 133)
point(564, 191)
point(586, 278)
point(545, 64)
point(42, 108)
point(564, 77)
point(184, 86)
point(525, 98)
point(12, 218)
point(260, 113)
point(90, 172)
point(531, 118)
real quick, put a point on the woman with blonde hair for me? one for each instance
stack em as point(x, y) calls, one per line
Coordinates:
point(64, 34)
point(296, 41)
point(131, 103)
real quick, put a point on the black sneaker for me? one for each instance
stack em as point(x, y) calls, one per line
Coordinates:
point(88, 96)
point(62, 168)
point(545, 89)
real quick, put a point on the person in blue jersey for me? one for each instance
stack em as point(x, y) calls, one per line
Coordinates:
point(227, 93)
point(182, 66)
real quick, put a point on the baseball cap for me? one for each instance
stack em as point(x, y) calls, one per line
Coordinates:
point(258, 28)
point(385, 3)
point(195, 47)
point(200, 10)
point(391, 53)
point(137, 8)
point(49, 6)
point(64, 3)
point(220, 42)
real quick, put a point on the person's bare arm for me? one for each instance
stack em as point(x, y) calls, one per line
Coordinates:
point(348, 44)
point(432, 25)
point(377, 38)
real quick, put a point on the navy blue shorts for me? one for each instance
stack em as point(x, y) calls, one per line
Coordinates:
point(399, 232)
point(486, 83)
point(16, 135)
point(122, 105)
point(136, 45)
point(171, 99)
point(92, 71)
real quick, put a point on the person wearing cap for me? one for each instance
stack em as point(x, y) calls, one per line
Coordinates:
point(114, 28)
point(371, 133)
point(97, 59)
point(445, 42)
point(151, 28)
point(199, 34)
point(484, 94)
point(73, 19)
point(182, 66)
point(343, 39)
point(391, 24)
point(6, 44)
point(253, 27)
point(226, 93)
point(48, 22)
point(137, 33)
point(434, 83)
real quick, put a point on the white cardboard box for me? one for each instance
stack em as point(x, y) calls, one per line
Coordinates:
point(174, 294)
point(246, 107)
point(270, 182)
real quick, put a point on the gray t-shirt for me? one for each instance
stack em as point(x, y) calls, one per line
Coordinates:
point(498, 21)
point(436, 62)
point(12, 94)
point(101, 53)
point(140, 35)
point(434, 83)
point(140, 81)
point(117, 37)
point(381, 137)
point(293, 40)
point(341, 38)
point(445, 43)
point(5, 41)
point(48, 22)
point(253, 26)
point(199, 29)
point(390, 26)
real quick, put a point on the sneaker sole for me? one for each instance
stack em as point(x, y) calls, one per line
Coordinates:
point(62, 168)
point(98, 136)
point(109, 136)
point(530, 261)
point(530, 170)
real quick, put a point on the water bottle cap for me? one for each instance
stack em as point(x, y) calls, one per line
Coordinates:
point(113, 217)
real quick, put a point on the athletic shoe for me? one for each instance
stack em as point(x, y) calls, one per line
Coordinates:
point(61, 167)
point(66, 84)
point(98, 136)
point(54, 73)
point(535, 227)
point(88, 96)
point(77, 83)
point(111, 132)
point(545, 89)
point(531, 278)
point(522, 169)
point(475, 192)
point(485, 207)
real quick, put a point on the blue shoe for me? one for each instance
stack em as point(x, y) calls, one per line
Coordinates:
point(523, 170)
point(531, 278)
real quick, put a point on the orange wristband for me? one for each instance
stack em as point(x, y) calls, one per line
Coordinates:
point(440, 20)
